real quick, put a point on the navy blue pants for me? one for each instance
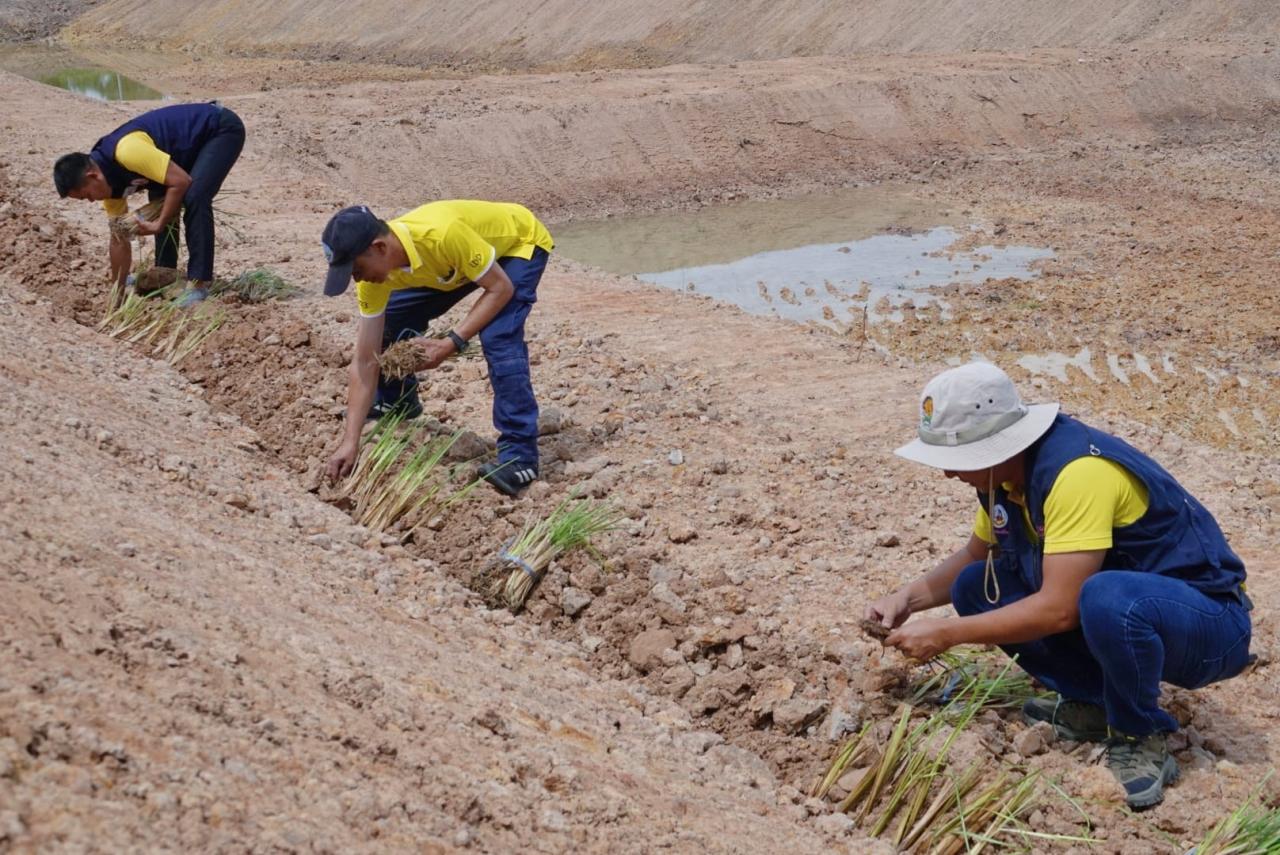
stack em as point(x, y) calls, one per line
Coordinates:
point(1136, 629)
point(210, 169)
point(515, 410)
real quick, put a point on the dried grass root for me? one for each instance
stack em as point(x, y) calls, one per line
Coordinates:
point(127, 226)
point(400, 360)
point(874, 628)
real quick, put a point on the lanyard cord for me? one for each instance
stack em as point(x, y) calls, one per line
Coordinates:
point(989, 580)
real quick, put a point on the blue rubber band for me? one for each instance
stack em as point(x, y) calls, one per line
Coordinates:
point(521, 563)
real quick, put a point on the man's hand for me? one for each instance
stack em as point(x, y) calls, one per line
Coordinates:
point(342, 460)
point(434, 351)
point(922, 639)
point(149, 227)
point(890, 611)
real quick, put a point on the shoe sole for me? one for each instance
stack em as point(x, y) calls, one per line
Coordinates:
point(1154, 794)
point(1067, 733)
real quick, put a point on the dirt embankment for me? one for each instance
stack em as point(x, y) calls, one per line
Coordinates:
point(28, 20)
point(198, 654)
point(582, 33)
point(732, 597)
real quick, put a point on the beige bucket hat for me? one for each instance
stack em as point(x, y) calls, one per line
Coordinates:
point(972, 418)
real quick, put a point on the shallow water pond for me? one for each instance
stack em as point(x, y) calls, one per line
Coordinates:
point(826, 258)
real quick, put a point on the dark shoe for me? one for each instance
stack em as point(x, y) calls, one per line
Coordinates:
point(1142, 765)
point(1074, 720)
point(409, 409)
point(509, 478)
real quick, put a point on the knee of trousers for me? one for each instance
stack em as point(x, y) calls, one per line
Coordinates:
point(194, 205)
point(1102, 601)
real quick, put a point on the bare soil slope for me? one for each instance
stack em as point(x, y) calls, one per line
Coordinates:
point(197, 654)
point(591, 34)
point(24, 20)
point(195, 647)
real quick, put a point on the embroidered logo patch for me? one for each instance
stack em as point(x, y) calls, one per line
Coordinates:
point(328, 252)
point(1000, 519)
point(476, 260)
point(926, 412)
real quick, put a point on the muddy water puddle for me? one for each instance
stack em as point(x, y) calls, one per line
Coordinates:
point(826, 259)
point(92, 78)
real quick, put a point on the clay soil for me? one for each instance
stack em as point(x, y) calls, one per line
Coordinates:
point(241, 668)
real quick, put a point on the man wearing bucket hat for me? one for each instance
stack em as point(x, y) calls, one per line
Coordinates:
point(411, 270)
point(1088, 561)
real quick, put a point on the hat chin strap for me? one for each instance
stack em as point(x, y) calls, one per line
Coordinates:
point(989, 580)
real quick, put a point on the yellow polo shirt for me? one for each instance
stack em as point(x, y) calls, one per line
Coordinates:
point(454, 242)
point(1090, 497)
point(137, 152)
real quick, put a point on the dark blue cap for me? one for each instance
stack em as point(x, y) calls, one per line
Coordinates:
point(349, 233)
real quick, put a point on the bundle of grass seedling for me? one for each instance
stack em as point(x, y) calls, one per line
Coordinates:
point(908, 792)
point(163, 327)
point(570, 526)
point(400, 477)
point(400, 359)
point(126, 226)
point(255, 286)
point(1250, 829)
point(999, 686)
point(404, 357)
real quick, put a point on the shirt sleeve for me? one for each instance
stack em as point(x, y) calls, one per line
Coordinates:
point(1091, 497)
point(137, 152)
point(467, 252)
point(372, 298)
point(115, 207)
point(982, 526)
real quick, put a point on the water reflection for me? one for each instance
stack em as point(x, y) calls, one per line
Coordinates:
point(101, 84)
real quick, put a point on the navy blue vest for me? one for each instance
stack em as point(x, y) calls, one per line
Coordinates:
point(180, 131)
point(1176, 536)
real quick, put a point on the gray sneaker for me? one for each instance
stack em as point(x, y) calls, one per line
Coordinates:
point(1142, 765)
point(191, 297)
point(1074, 720)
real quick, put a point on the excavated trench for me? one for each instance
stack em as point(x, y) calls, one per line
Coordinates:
point(694, 637)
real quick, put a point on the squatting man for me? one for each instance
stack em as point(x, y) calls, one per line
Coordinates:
point(1087, 561)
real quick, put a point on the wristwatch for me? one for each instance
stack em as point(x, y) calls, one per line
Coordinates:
point(458, 341)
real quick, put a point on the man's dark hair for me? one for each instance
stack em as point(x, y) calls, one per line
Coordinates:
point(68, 172)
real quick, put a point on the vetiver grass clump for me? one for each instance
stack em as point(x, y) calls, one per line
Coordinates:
point(400, 478)
point(255, 286)
point(999, 686)
point(1251, 829)
point(909, 793)
point(572, 525)
point(157, 323)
